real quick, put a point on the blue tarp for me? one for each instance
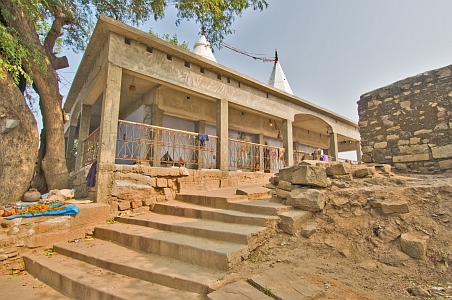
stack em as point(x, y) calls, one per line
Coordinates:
point(69, 209)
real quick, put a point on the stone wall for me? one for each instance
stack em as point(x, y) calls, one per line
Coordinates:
point(407, 124)
point(136, 188)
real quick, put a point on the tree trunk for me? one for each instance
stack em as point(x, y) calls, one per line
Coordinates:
point(45, 81)
point(19, 146)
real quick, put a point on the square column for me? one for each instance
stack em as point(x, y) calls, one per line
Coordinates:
point(70, 142)
point(156, 120)
point(83, 133)
point(108, 131)
point(359, 154)
point(287, 142)
point(200, 127)
point(222, 133)
point(333, 150)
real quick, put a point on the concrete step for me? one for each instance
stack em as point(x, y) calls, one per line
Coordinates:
point(239, 203)
point(188, 210)
point(249, 235)
point(144, 266)
point(196, 250)
point(80, 280)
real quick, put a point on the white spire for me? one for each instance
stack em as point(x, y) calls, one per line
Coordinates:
point(278, 79)
point(202, 47)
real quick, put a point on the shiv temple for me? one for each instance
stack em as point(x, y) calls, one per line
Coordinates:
point(142, 106)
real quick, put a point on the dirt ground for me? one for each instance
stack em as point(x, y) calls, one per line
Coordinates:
point(355, 252)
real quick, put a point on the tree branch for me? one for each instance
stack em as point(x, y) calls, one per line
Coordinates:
point(54, 33)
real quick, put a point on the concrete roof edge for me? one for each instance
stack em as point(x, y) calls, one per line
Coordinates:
point(107, 24)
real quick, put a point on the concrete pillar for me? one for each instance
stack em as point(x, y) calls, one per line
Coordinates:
point(222, 133)
point(333, 150)
point(261, 141)
point(108, 131)
point(70, 142)
point(287, 142)
point(83, 133)
point(359, 154)
point(156, 120)
point(200, 127)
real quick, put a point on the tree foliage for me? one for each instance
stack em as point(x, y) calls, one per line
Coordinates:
point(170, 39)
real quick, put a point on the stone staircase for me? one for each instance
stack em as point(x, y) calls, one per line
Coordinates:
point(180, 250)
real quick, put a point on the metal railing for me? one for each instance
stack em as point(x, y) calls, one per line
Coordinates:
point(253, 157)
point(91, 148)
point(163, 146)
point(298, 156)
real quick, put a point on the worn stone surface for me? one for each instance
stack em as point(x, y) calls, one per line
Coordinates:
point(307, 199)
point(364, 172)
point(285, 185)
point(282, 283)
point(393, 258)
point(239, 290)
point(291, 221)
point(394, 207)
point(413, 244)
point(127, 190)
point(282, 193)
point(338, 169)
point(304, 175)
point(308, 230)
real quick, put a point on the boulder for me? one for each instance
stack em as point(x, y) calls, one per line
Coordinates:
point(413, 244)
point(308, 230)
point(338, 169)
point(282, 193)
point(304, 175)
point(307, 199)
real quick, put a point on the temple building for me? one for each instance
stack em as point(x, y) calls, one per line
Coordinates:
point(137, 100)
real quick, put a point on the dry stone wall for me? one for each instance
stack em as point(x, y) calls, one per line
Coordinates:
point(407, 124)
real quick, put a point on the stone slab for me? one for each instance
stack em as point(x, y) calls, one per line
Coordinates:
point(239, 290)
point(291, 221)
point(282, 283)
point(255, 192)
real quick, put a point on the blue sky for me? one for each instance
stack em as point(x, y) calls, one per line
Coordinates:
point(331, 51)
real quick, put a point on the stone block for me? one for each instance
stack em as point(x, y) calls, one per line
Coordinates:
point(308, 230)
point(338, 169)
point(409, 158)
point(304, 175)
point(393, 258)
point(445, 164)
point(413, 244)
point(150, 201)
point(282, 193)
point(127, 190)
point(380, 145)
point(414, 149)
point(284, 185)
point(364, 172)
point(415, 140)
point(162, 182)
point(307, 199)
point(422, 131)
point(161, 198)
point(401, 167)
point(442, 151)
point(123, 205)
point(291, 221)
point(394, 207)
point(136, 203)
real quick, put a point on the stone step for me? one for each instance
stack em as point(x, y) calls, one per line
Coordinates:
point(239, 290)
point(292, 221)
point(80, 280)
point(264, 207)
point(249, 235)
point(188, 210)
point(196, 250)
point(144, 266)
point(282, 283)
